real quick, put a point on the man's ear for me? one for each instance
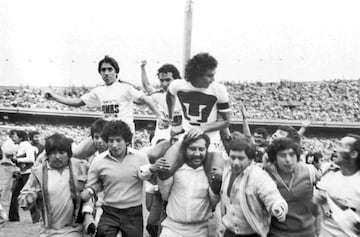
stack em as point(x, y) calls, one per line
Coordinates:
point(354, 154)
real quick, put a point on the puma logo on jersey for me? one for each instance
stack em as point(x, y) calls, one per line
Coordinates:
point(196, 106)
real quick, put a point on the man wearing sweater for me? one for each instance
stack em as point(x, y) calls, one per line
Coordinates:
point(246, 190)
point(119, 172)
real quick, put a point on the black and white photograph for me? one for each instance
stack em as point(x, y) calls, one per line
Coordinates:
point(179, 118)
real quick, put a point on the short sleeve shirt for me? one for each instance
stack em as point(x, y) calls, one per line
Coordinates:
point(200, 106)
point(116, 101)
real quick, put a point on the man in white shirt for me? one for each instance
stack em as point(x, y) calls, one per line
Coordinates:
point(166, 74)
point(338, 191)
point(24, 159)
point(204, 102)
point(7, 168)
point(115, 98)
point(190, 198)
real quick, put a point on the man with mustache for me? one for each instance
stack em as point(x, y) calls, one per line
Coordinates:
point(190, 198)
point(338, 191)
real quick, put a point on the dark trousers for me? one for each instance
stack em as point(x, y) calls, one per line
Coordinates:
point(229, 233)
point(129, 221)
point(157, 214)
point(14, 205)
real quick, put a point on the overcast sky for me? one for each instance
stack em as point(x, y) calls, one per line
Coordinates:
point(59, 42)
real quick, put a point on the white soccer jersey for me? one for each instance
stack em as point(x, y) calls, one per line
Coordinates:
point(159, 99)
point(116, 101)
point(200, 106)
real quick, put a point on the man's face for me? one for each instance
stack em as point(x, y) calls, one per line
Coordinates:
point(259, 139)
point(286, 160)
point(205, 80)
point(36, 139)
point(279, 134)
point(165, 79)
point(15, 138)
point(108, 73)
point(196, 153)
point(343, 149)
point(238, 161)
point(99, 143)
point(117, 146)
point(58, 159)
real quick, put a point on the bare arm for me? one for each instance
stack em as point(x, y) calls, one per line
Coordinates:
point(149, 102)
point(144, 78)
point(304, 126)
point(165, 187)
point(84, 149)
point(246, 127)
point(170, 101)
point(76, 102)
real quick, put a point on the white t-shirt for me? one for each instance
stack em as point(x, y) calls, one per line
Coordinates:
point(343, 189)
point(27, 153)
point(61, 205)
point(159, 99)
point(200, 106)
point(8, 148)
point(116, 101)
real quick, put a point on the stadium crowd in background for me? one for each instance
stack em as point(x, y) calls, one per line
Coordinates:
point(333, 100)
point(249, 183)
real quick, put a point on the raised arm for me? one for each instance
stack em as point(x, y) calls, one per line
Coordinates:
point(246, 127)
point(76, 102)
point(304, 126)
point(170, 101)
point(144, 78)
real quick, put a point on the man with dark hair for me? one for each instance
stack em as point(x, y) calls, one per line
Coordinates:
point(7, 168)
point(166, 74)
point(260, 136)
point(188, 215)
point(119, 172)
point(338, 191)
point(246, 190)
point(286, 131)
point(314, 158)
point(56, 185)
point(292, 176)
point(204, 102)
point(96, 129)
point(36, 142)
point(114, 98)
point(24, 159)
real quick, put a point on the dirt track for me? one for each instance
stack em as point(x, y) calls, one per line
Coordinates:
point(24, 228)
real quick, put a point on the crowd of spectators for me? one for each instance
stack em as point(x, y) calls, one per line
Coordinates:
point(335, 100)
point(142, 136)
point(76, 132)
